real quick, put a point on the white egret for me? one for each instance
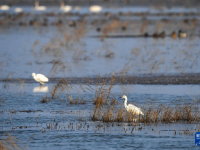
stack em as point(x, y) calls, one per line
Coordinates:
point(40, 78)
point(38, 7)
point(131, 108)
point(95, 8)
point(4, 7)
point(18, 10)
point(65, 8)
point(182, 34)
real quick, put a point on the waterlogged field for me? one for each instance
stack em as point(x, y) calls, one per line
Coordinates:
point(91, 60)
point(67, 120)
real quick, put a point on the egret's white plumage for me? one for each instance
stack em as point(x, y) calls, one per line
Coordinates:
point(40, 78)
point(38, 7)
point(182, 34)
point(131, 108)
point(95, 8)
point(65, 8)
point(18, 10)
point(4, 7)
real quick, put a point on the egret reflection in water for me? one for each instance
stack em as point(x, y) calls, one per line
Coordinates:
point(41, 89)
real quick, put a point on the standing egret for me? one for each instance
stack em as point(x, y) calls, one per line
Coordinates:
point(39, 8)
point(95, 8)
point(131, 108)
point(18, 10)
point(4, 7)
point(40, 78)
point(182, 34)
point(65, 8)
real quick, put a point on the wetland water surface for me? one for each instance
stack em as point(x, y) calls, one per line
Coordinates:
point(75, 46)
point(58, 124)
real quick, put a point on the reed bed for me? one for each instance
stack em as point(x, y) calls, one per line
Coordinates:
point(171, 113)
point(102, 94)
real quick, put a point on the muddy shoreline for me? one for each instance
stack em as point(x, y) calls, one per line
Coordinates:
point(144, 79)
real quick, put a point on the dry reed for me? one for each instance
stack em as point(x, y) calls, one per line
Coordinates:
point(152, 114)
point(9, 142)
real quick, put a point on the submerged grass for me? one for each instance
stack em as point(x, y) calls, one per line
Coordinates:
point(45, 99)
point(76, 101)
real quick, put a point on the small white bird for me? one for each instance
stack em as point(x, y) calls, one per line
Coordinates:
point(65, 8)
point(95, 8)
point(182, 34)
point(40, 78)
point(131, 108)
point(4, 7)
point(18, 10)
point(39, 8)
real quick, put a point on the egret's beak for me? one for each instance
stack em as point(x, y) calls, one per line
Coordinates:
point(120, 97)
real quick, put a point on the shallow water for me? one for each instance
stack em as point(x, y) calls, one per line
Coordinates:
point(23, 115)
point(138, 55)
point(59, 125)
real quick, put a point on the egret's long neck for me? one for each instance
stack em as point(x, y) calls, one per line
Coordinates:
point(125, 102)
point(62, 4)
point(34, 76)
point(36, 4)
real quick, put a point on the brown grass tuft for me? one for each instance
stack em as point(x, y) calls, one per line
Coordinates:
point(111, 27)
point(9, 142)
point(44, 100)
point(62, 85)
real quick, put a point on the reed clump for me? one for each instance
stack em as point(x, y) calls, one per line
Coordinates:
point(152, 114)
point(97, 113)
point(77, 101)
point(170, 113)
point(119, 115)
point(62, 85)
point(45, 99)
point(9, 142)
point(102, 94)
point(108, 114)
point(102, 98)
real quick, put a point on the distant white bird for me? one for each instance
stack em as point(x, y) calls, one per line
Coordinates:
point(65, 8)
point(4, 7)
point(182, 34)
point(18, 10)
point(131, 108)
point(40, 78)
point(95, 8)
point(38, 7)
